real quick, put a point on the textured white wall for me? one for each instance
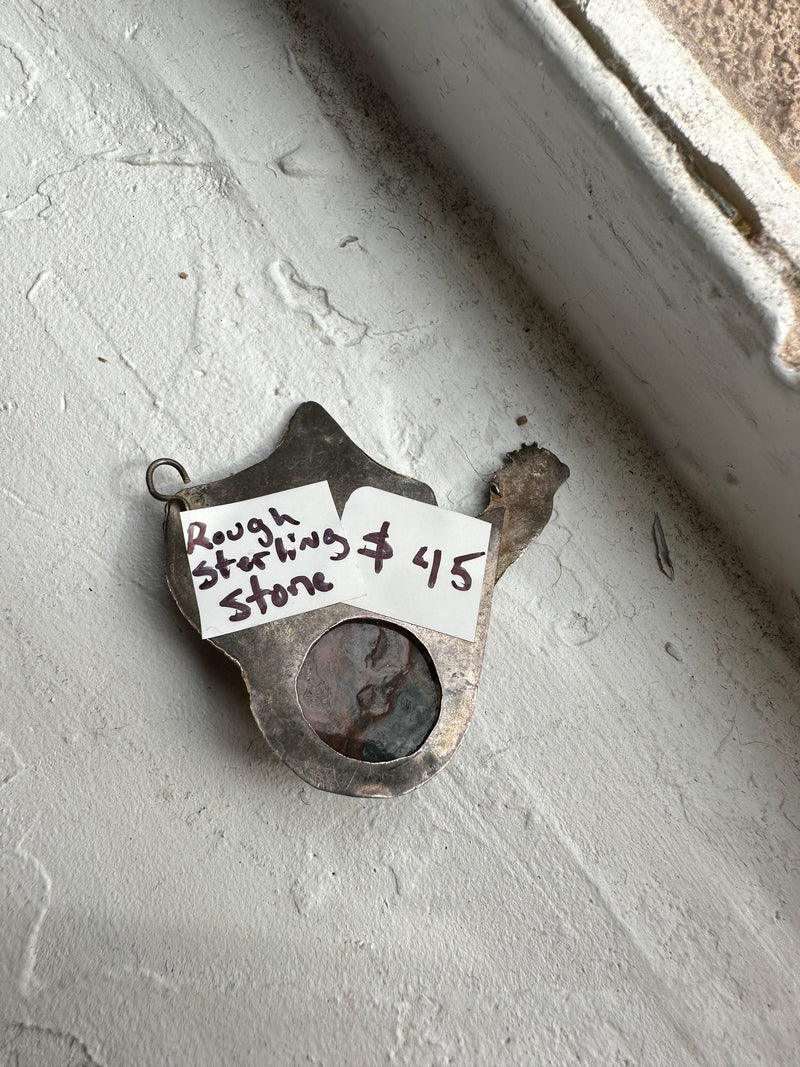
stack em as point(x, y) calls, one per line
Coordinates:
point(696, 328)
point(606, 871)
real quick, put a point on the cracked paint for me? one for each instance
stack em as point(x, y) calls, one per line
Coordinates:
point(609, 870)
point(26, 1045)
point(25, 891)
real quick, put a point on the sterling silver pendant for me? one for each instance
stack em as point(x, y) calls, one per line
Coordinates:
point(359, 703)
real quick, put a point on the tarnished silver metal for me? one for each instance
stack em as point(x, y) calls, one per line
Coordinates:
point(524, 488)
point(315, 448)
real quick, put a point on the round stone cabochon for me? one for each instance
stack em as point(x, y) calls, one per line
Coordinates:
point(369, 690)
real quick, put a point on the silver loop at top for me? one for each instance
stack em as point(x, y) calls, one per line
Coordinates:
point(169, 498)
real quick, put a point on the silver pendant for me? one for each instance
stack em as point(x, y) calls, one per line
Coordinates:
point(357, 703)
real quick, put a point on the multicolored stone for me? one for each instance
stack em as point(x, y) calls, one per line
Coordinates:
point(369, 691)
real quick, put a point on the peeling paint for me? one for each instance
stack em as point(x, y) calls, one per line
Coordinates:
point(332, 325)
point(609, 870)
point(10, 762)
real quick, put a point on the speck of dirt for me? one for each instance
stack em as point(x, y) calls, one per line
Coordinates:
point(101, 360)
point(522, 420)
point(183, 275)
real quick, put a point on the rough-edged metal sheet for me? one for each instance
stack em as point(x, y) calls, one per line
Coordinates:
point(271, 657)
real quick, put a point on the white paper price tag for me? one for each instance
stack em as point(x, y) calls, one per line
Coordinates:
point(264, 559)
point(421, 564)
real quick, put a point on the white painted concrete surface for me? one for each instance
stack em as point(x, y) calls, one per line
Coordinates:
point(607, 871)
point(697, 328)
